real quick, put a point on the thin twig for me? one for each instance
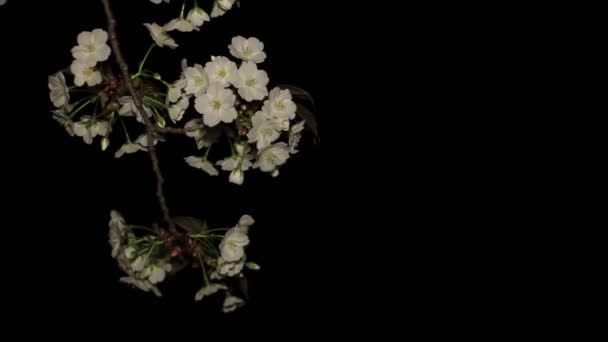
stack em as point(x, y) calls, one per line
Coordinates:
point(150, 128)
point(171, 130)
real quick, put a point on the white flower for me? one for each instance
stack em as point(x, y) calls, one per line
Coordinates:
point(175, 90)
point(197, 16)
point(241, 160)
point(88, 128)
point(227, 268)
point(294, 136)
point(159, 1)
point(280, 104)
point(60, 116)
point(216, 105)
point(220, 7)
point(156, 273)
point(265, 130)
point(194, 128)
point(160, 36)
point(143, 285)
point(140, 263)
point(231, 303)
point(180, 24)
point(60, 94)
point(203, 164)
point(129, 147)
point(176, 111)
point(143, 139)
point(271, 157)
point(209, 290)
point(84, 73)
point(251, 82)
point(117, 226)
point(245, 222)
point(247, 49)
point(196, 80)
point(232, 244)
point(130, 109)
point(237, 176)
point(92, 47)
point(221, 70)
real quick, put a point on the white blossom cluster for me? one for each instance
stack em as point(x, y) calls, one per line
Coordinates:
point(92, 49)
point(237, 96)
point(147, 259)
point(224, 98)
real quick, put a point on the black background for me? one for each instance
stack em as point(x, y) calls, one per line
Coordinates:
point(60, 191)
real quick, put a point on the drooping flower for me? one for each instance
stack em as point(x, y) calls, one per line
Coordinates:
point(176, 111)
point(156, 272)
point(231, 303)
point(127, 148)
point(247, 49)
point(220, 7)
point(271, 157)
point(181, 24)
point(216, 105)
point(60, 94)
point(203, 164)
point(92, 47)
point(88, 128)
point(130, 109)
point(84, 73)
point(208, 290)
point(118, 228)
point(251, 82)
point(221, 70)
point(142, 284)
point(160, 36)
point(197, 16)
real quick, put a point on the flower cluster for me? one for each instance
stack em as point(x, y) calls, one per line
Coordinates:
point(147, 255)
point(225, 103)
point(220, 98)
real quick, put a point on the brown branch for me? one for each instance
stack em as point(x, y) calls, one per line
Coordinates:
point(171, 130)
point(150, 127)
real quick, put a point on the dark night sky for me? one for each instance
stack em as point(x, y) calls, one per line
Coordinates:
point(60, 190)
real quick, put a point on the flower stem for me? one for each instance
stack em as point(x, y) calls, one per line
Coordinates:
point(143, 61)
point(200, 259)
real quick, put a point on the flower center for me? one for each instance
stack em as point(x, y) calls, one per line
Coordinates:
point(267, 131)
point(222, 73)
point(199, 81)
point(87, 71)
point(280, 105)
point(217, 105)
point(250, 82)
point(91, 47)
point(247, 52)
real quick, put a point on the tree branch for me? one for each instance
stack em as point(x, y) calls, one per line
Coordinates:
point(150, 127)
